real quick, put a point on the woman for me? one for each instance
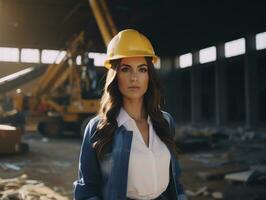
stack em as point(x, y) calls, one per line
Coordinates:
point(128, 150)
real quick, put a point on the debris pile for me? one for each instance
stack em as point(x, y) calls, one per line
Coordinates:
point(205, 191)
point(229, 157)
point(21, 188)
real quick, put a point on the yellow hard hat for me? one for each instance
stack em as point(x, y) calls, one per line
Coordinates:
point(129, 43)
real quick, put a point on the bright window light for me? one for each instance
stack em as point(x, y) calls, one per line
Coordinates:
point(98, 58)
point(207, 54)
point(49, 56)
point(235, 47)
point(9, 54)
point(60, 57)
point(16, 75)
point(78, 60)
point(30, 55)
point(261, 41)
point(185, 60)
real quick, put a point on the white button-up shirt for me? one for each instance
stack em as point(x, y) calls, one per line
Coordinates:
point(148, 171)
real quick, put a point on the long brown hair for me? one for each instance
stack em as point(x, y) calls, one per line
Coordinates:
point(111, 103)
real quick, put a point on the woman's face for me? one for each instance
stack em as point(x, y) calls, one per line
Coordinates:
point(133, 77)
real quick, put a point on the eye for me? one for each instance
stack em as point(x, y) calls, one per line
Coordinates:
point(124, 69)
point(143, 69)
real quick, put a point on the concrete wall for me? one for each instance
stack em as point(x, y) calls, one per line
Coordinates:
point(229, 91)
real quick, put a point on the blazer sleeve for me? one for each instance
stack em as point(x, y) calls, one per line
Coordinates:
point(88, 185)
point(179, 185)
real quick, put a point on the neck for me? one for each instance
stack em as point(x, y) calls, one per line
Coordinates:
point(135, 109)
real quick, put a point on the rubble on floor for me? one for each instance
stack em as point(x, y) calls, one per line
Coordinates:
point(21, 188)
point(204, 191)
point(221, 171)
point(229, 156)
point(10, 166)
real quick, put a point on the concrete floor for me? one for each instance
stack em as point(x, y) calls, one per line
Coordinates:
point(55, 162)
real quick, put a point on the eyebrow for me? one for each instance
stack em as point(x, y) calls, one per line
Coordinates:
point(141, 65)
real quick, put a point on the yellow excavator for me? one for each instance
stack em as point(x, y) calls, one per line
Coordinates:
point(65, 96)
point(64, 99)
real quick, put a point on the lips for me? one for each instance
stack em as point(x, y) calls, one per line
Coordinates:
point(134, 87)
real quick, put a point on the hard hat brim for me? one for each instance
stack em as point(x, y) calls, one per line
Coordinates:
point(107, 63)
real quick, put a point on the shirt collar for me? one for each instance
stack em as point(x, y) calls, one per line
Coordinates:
point(123, 117)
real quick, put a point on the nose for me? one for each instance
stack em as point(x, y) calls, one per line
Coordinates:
point(134, 76)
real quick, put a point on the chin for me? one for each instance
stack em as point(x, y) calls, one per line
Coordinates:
point(134, 96)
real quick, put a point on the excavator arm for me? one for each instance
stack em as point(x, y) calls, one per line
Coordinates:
point(103, 19)
point(66, 76)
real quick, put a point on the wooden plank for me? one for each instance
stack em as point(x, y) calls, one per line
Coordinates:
point(240, 176)
point(219, 173)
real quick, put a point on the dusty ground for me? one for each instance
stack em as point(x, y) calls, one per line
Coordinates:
point(55, 162)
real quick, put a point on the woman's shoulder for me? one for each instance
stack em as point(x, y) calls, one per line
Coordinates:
point(168, 117)
point(170, 121)
point(91, 126)
point(95, 120)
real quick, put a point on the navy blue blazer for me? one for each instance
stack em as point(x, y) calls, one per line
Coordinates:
point(106, 179)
